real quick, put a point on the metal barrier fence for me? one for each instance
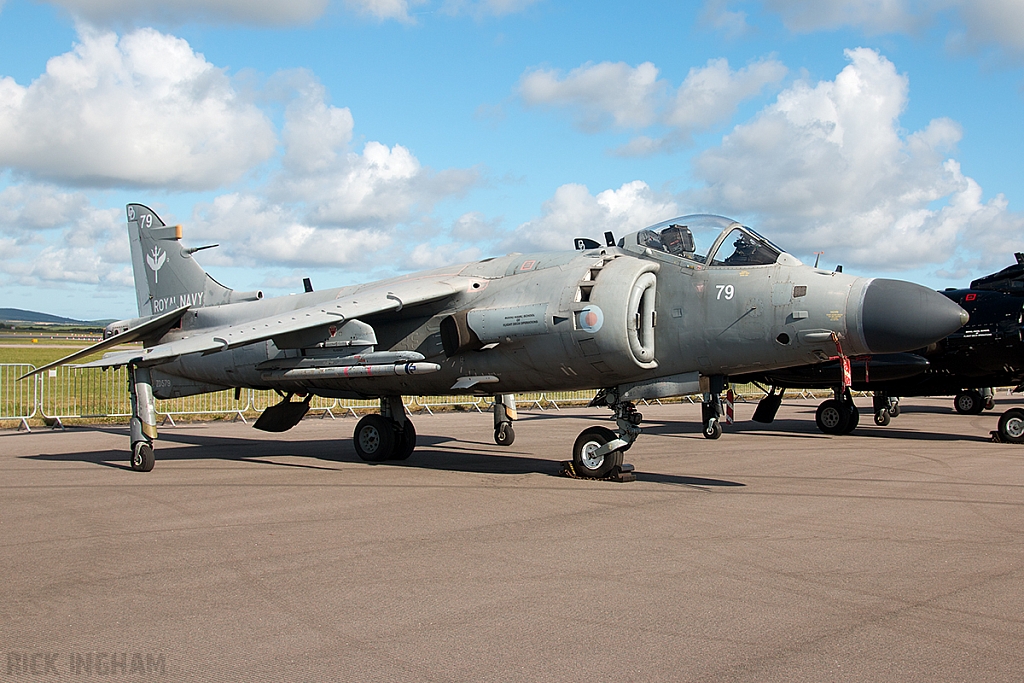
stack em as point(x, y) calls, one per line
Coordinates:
point(90, 393)
point(18, 400)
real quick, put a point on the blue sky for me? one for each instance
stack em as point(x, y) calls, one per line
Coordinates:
point(349, 140)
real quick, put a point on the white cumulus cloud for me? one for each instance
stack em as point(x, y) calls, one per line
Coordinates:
point(712, 93)
point(384, 9)
point(574, 212)
point(616, 94)
point(254, 231)
point(251, 12)
point(977, 24)
point(482, 8)
point(53, 236)
point(273, 13)
point(876, 16)
point(140, 110)
point(609, 92)
point(828, 167)
point(378, 186)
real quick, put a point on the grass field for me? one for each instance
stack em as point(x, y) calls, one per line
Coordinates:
point(19, 347)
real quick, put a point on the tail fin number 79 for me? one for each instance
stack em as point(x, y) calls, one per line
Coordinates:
point(147, 220)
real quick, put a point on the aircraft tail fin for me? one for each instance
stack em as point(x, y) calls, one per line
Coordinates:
point(166, 275)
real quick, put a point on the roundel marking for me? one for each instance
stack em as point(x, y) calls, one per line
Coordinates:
point(591, 319)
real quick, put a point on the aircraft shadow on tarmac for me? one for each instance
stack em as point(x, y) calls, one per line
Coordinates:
point(432, 452)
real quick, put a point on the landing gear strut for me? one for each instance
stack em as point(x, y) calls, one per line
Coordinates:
point(988, 398)
point(839, 415)
point(597, 453)
point(389, 435)
point(504, 414)
point(142, 425)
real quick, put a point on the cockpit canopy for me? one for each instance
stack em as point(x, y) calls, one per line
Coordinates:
point(704, 238)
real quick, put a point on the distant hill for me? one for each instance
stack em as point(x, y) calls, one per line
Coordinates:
point(21, 316)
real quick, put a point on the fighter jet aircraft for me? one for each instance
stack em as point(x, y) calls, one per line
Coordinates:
point(986, 352)
point(670, 310)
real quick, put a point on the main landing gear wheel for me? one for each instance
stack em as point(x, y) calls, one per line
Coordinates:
point(969, 402)
point(374, 438)
point(405, 441)
point(832, 417)
point(853, 417)
point(504, 435)
point(1011, 426)
point(585, 462)
point(712, 429)
point(143, 457)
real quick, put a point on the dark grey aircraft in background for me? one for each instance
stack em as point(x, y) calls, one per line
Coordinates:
point(666, 311)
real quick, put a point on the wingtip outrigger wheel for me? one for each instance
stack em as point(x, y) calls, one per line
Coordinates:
point(142, 425)
point(710, 411)
point(711, 408)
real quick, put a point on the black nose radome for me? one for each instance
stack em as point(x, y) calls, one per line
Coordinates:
point(901, 316)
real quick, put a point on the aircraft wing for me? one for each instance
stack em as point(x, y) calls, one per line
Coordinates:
point(133, 334)
point(359, 304)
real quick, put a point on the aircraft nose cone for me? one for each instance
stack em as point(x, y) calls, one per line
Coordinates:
point(901, 316)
